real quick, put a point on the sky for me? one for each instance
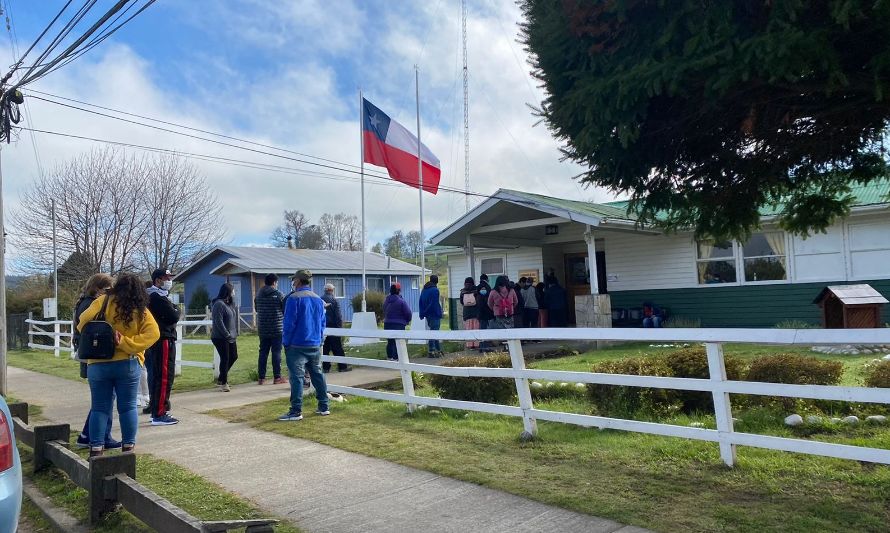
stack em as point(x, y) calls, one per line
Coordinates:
point(287, 74)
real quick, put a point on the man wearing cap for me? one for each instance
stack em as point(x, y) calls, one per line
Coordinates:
point(160, 359)
point(304, 322)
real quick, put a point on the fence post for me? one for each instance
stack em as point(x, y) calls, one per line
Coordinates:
point(522, 390)
point(407, 380)
point(180, 332)
point(103, 486)
point(20, 411)
point(44, 434)
point(30, 330)
point(722, 406)
point(56, 337)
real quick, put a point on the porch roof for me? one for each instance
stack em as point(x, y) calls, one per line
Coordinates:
point(509, 214)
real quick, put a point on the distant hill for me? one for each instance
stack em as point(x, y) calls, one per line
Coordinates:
point(12, 282)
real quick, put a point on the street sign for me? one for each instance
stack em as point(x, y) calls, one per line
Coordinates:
point(50, 309)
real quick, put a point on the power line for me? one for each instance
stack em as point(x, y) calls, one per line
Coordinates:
point(259, 165)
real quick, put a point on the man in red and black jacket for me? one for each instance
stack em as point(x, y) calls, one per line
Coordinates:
point(160, 359)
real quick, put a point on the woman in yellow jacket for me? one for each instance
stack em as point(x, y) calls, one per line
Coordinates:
point(134, 331)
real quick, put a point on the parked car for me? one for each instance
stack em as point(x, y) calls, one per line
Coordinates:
point(10, 472)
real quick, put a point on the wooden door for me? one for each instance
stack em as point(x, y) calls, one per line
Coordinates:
point(577, 280)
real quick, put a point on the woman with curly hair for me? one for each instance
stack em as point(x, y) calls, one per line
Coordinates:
point(134, 331)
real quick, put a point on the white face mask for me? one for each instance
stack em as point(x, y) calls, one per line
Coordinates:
point(166, 285)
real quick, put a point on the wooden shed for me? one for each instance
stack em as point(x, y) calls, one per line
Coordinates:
point(850, 306)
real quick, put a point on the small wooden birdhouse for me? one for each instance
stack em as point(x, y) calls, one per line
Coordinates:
point(850, 306)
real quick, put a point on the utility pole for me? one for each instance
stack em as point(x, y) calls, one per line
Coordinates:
point(463, 10)
point(55, 264)
point(3, 321)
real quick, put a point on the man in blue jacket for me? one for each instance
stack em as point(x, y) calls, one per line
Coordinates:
point(431, 310)
point(304, 321)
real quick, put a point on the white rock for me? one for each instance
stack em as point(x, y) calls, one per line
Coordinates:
point(581, 385)
point(835, 420)
point(876, 419)
point(886, 357)
point(735, 420)
point(813, 419)
point(435, 412)
point(853, 352)
point(563, 384)
point(549, 384)
point(536, 385)
point(696, 425)
point(793, 420)
point(850, 420)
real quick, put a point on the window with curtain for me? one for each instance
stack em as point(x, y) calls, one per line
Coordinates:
point(764, 257)
point(494, 265)
point(716, 262)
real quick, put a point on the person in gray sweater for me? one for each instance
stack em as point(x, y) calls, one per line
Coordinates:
point(224, 332)
point(269, 305)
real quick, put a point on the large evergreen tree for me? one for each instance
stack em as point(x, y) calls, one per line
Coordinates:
point(704, 111)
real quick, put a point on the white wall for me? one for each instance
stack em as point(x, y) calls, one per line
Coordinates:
point(635, 261)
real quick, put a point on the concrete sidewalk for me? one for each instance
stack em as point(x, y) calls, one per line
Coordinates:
point(319, 488)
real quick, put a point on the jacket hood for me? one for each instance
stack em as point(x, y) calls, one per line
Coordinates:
point(266, 290)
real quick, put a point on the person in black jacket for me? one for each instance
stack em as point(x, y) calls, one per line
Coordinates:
point(485, 313)
point(161, 357)
point(94, 287)
point(333, 319)
point(269, 305)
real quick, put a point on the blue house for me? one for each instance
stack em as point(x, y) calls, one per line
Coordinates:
point(246, 268)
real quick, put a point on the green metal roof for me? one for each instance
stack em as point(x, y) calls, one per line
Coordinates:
point(586, 208)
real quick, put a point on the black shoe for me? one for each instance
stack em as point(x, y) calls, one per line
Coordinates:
point(146, 411)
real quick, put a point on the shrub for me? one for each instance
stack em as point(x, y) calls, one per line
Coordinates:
point(682, 322)
point(693, 363)
point(878, 375)
point(555, 391)
point(374, 301)
point(797, 370)
point(200, 300)
point(626, 402)
point(795, 324)
point(489, 390)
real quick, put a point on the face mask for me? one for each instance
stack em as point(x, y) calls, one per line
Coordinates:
point(166, 285)
point(483, 292)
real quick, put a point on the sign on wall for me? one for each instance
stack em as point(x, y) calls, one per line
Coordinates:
point(533, 274)
point(50, 309)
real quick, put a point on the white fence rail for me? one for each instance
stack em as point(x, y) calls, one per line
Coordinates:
point(60, 332)
point(725, 435)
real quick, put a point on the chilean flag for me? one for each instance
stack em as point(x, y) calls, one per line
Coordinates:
point(388, 144)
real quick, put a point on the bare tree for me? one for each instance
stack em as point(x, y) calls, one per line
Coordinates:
point(340, 231)
point(411, 245)
point(117, 212)
point(295, 223)
point(186, 220)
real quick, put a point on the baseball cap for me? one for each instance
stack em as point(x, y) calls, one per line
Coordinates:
point(302, 274)
point(160, 273)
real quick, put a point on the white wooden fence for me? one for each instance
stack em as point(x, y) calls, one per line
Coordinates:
point(60, 332)
point(726, 437)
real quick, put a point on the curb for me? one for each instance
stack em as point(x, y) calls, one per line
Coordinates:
point(58, 517)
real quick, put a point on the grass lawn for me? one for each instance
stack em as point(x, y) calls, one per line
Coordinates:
point(666, 484)
point(244, 371)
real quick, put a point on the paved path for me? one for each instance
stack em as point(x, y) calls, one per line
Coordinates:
point(318, 487)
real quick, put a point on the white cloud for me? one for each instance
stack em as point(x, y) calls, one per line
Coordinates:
point(304, 99)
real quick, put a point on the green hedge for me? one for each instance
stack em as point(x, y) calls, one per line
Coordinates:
point(489, 390)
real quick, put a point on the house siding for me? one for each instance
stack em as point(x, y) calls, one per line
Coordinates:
point(200, 275)
point(747, 306)
point(635, 261)
point(515, 261)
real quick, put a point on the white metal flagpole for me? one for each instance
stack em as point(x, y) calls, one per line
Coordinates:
point(361, 131)
point(420, 177)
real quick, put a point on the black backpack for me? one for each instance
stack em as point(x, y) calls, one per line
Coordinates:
point(97, 337)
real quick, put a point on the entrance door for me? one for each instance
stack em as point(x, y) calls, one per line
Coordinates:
point(578, 278)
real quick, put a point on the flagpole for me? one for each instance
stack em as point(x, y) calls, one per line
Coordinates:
point(361, 127)
point(420, 177)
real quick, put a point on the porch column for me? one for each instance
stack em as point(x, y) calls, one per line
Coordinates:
point(471, 256)
point(591, 256)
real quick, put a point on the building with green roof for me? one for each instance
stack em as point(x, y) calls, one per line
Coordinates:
point(771, 278)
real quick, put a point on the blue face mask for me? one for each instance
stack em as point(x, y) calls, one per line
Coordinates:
point(483, 292)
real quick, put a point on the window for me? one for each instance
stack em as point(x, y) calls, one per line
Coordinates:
point(376, 285)
point(339, 286)
point(764, 257)
point(494, 265)
point(414, 283)
point(761, 258)
point(716, 262)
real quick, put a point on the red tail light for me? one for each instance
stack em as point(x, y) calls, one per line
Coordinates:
point(6, 451)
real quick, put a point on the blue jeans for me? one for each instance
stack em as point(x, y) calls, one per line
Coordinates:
point(297, 358)
point(433, 324)
point(652, 322)
point(106, 380)
point(391, 352)
point(272, 344)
